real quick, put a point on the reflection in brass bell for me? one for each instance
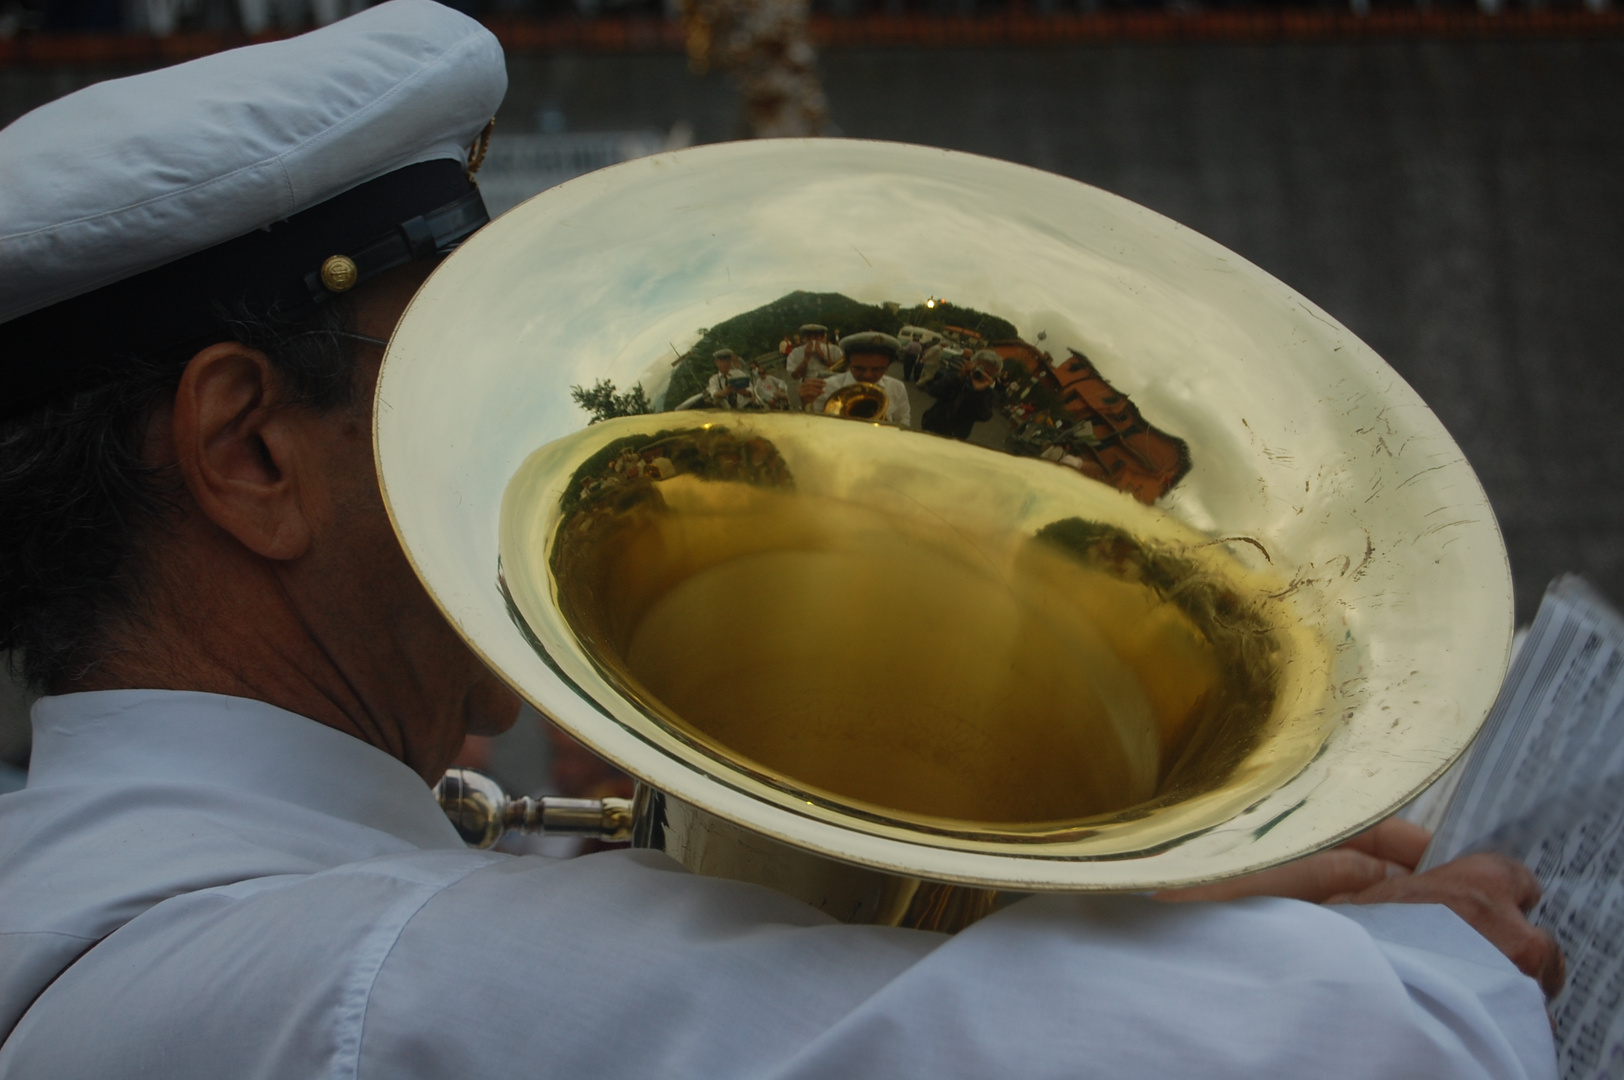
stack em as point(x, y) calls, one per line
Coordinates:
point(859, 401)
point(1090, 674)
point(843, 659)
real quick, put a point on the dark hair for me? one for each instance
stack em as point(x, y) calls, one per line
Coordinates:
point(77, 496)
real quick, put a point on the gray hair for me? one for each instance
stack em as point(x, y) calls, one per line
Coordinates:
point(78, 496)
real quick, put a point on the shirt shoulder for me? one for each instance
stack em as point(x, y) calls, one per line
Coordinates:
point(299, 952)
point(735, 981)
point(440, 965)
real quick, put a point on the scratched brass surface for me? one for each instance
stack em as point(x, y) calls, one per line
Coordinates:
point(1315, 476)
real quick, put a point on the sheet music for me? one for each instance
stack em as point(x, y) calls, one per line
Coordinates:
point(1545, 784)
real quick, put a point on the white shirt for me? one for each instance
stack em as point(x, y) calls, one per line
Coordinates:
point(817, 357)
point(771, 392)
point(897, 408)
point(721, 390)
point(274, 899)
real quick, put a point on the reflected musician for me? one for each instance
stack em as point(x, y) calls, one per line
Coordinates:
point(731, 387)
point(965, 395)
point(771, 392)
point(869, 356)
point(815, 357)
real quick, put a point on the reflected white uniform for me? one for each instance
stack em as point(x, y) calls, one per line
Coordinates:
point(816, 357)
point(898, 410)
point(771, 392)
point(721, 389)
point(198, 886)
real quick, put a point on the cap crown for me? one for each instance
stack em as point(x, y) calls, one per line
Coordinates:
point(130, 174)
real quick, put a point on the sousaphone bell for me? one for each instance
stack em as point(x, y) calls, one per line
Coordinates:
point(1234, 596)
point(858, 401)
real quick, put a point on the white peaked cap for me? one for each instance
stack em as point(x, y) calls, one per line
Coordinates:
point(132, 174)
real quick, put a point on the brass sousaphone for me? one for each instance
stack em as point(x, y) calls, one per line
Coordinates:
point(844, 659)
point(860, 401)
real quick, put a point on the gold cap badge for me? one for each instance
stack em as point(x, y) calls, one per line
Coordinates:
point(339, 274)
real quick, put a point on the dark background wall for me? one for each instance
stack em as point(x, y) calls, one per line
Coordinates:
point(1455, 203)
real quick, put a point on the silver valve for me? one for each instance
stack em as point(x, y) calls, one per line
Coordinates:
point(482, 812)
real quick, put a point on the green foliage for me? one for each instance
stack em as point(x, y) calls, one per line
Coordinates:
point(605, 403)
point(598, 463)
point(709, 452)
point(758, 332)
point(945, 314)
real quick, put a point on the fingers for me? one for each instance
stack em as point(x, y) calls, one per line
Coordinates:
point(1529, 890)
point(1553, 974)
point(1492, 894)
point(1536, 954)
point(1396, 840)
point(1317, 878)
point(1390, 849)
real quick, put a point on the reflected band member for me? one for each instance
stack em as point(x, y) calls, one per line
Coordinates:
point(868, 357)
point(916, 344)
point(730, 387)
point(772, 393)
point(964, 395)
point(814, 357)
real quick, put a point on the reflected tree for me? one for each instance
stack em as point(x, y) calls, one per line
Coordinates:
point(604, 402)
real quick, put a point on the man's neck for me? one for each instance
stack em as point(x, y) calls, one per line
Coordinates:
point(218, 622)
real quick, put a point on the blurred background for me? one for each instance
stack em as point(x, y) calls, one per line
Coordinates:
point(1443, 177)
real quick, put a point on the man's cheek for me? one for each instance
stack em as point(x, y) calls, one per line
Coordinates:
point(491, 707)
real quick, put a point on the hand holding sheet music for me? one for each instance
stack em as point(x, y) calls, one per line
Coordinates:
point(1544, 784)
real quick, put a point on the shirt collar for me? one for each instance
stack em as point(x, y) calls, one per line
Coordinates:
point(192, 739)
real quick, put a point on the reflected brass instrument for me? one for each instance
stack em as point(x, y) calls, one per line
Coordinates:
point(859, 401)
point(1037, 681)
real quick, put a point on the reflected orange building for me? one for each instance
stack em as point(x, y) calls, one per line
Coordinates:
point(1117, 445)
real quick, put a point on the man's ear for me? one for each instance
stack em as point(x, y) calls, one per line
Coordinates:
point(238, 447)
